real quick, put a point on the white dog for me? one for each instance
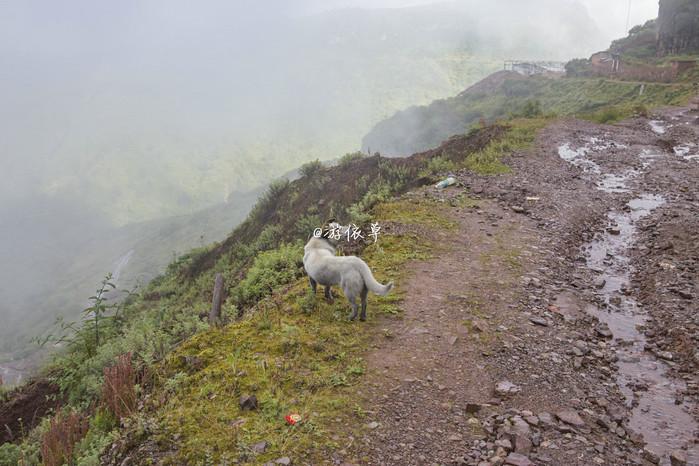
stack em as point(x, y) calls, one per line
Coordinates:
point(351, 273)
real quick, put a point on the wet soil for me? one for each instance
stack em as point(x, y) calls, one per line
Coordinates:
point(558, 325)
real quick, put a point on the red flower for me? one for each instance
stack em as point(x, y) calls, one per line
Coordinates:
point(292, 419)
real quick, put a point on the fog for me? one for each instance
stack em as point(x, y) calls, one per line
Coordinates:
point(113, 114)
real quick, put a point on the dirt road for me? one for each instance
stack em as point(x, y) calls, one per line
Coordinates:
point(558, 324)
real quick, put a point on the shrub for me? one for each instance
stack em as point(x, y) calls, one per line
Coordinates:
point(119, 387)
point(347, 159)
point(310, 169)
point(9, 454)
point(439, 164)
point(64, 431)
point(270, 270)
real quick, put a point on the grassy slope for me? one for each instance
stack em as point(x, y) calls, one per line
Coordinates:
point(602, 100)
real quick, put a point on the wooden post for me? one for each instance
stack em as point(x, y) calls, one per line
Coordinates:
point(215, 314)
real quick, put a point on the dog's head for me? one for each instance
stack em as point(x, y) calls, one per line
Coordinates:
point(331, 231)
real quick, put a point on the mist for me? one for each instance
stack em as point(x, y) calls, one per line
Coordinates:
point(118, 117)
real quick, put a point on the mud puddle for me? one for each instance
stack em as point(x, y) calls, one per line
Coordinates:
point(657, 412)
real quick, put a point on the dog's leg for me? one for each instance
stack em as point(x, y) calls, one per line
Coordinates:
point(365, 292)
point(353, 302)
point(329, 294)
point(313, 284)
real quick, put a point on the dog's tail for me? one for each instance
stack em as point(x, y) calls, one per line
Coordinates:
point(371, 283)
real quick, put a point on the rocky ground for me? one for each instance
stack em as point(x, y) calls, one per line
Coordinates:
point(558, 323)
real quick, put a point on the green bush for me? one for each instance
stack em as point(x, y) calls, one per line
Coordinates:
point(9, 454)
point(310, 169)
point(270, 270)
point(437, 165)
point(347, 159)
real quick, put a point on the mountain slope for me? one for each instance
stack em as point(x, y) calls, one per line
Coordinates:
point(509, 93)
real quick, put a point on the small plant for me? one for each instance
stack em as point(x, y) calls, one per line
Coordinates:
point(119, 387)
point(308, 302)
point(99, 307)
point(436, 165)
point(65, 429)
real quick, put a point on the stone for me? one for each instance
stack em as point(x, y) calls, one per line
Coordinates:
point(650, 456)
point(600, 282)
point(373, 425)
point(517, 208)
point(602, 330)
point(505, 387)
point(678, 458)
point(523, 445)
point(283, 460)
point(504, 443)
point(665, 355)
point(570, 417)
point(539, 321)
point(248, 402)
point(546, 419)
point(259, 447)
point(516, 459)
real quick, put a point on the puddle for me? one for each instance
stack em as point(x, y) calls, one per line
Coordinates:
point(665, 425)
point(578, 157)
point(685, 150)
point(657, 126)
point(609, 182)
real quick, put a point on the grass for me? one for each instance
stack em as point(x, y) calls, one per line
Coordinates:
point(520, 135)
point(295, 357)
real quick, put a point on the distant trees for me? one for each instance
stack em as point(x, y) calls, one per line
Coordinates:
point(678, 23)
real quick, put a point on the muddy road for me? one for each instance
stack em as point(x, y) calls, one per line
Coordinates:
point(559, 325)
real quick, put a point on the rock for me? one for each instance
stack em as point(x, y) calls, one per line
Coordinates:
point(650, 456)
point(570, 417)
point(504, 443)
point(665, 355)
point(686, 294)
point(539, 321)
point(248, 402)
point(373, 425)
point(517, 208)
point(678, 458)
point(614, 230)
point(532, 420)
point(523, 445)
point(283, 460)
point(600, 282)
point(259, 447)
point(455, 438)
point(546, 419)
point(505, 387)
point(602, 330)
point(516, 459)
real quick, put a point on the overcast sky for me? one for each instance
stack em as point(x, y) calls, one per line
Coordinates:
point(611, 15)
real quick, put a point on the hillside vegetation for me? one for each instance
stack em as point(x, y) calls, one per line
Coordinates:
point(506, 94)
